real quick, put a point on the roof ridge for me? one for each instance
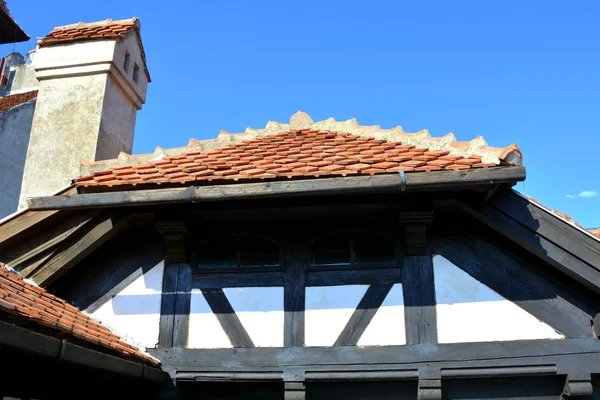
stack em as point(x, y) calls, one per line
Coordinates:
point(301, 121)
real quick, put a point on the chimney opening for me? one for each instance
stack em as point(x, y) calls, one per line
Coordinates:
point(126, 62)
point(136, 73)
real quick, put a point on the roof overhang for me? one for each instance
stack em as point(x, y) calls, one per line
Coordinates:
point(10, 31)
point(372, 184)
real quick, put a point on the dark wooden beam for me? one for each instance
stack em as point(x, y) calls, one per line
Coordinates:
point(227, 317)
point(516, 281)
point(420, 317)
point(167, 305)
point(552, 356)
point(549, 226)
point(296, 261)
point(81, 245)
point(362, 316)
point(381, 276)
point(183, 301)
point(578, 385)
point(440, 180)
point(537, 244)
point(237, 279)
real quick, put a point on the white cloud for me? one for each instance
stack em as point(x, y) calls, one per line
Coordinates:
point(584, 194)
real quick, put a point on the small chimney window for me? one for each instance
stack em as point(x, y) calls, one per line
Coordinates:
point(126, 62)
point(136, 73)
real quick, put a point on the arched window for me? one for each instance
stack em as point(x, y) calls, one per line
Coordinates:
point(353, 248)
point(238, 251)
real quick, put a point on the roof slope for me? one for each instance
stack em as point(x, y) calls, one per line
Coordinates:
point(107, 29)
point(33, 303)
point(8, 102)
point(300, 149)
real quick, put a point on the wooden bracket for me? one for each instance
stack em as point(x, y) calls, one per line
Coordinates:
point(415, 230)
point(175, 233)
point(596, 325)
point(294, 385)
point(430, 385)
point(578, 385)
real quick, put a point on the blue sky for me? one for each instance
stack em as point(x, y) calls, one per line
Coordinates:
point(511, 71)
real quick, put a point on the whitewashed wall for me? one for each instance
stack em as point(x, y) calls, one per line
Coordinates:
point(135, 311)
point(469, 311)
point(329, 308)
point(259, 309)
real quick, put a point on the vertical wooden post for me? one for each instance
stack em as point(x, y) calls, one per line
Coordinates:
point(177, 286)
point(420, 317)
point(294, 296)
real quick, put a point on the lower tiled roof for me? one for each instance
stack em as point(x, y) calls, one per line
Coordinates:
point(13, 100)
point(300, 149)
point(36, 305)
point(595, 232)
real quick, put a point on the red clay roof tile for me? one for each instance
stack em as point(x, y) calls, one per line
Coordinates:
point(34, 304)
point(13, 100)
point(107, 29)
point(299, 149)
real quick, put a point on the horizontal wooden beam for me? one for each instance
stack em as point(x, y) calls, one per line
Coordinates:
point(439, 180)
point(549, 356)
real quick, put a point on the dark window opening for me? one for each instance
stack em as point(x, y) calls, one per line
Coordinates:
point(238, 251)
point(136, 73)
point(353, 248)
point(126, 62)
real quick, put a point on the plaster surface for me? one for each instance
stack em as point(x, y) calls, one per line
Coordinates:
point(15, 127)
point(328, 310)
point(469, 311)
point(135, 311)
point(387, 326)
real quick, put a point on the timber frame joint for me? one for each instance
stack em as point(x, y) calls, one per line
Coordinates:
point(577, 385)
point(175, 233)
point(430, 384)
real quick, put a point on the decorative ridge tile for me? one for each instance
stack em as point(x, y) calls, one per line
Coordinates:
point(305, 134)
point(26, 300)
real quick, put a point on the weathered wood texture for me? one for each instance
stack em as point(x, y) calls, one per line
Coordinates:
point(420, 317)
point(568, 356)
point(294, 296)
point(227, 317)
point(543, 235)
point(79, 246)
point(167, 305)
point(116, 264)
point(518, 282)
point(362, 316)
point(374, 184)
point(183, 302)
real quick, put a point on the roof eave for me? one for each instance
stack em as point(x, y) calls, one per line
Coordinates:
point(383, 183)
point(11, 31)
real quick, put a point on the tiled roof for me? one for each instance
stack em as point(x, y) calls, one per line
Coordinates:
point(34, 304)
point(299, 149)
point(8, 102)
point(100, 30)
point(595, 232)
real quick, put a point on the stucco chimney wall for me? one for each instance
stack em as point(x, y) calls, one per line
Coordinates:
point(86, 109)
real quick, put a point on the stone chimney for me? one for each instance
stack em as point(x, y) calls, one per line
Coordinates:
point(92, 80)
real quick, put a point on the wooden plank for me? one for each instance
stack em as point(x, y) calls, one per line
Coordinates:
point(235, 279)
point(419, 299)
point(436, 180)
point(548, 226)
point(524, 352)
point(517, 282)
point(182, 306)
point(227, 317)
point(362, 316)
point(537, 244)
point(18, 253)
point(73, 251)
point(167, 305)
point(294, 296)
point(354, 277)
